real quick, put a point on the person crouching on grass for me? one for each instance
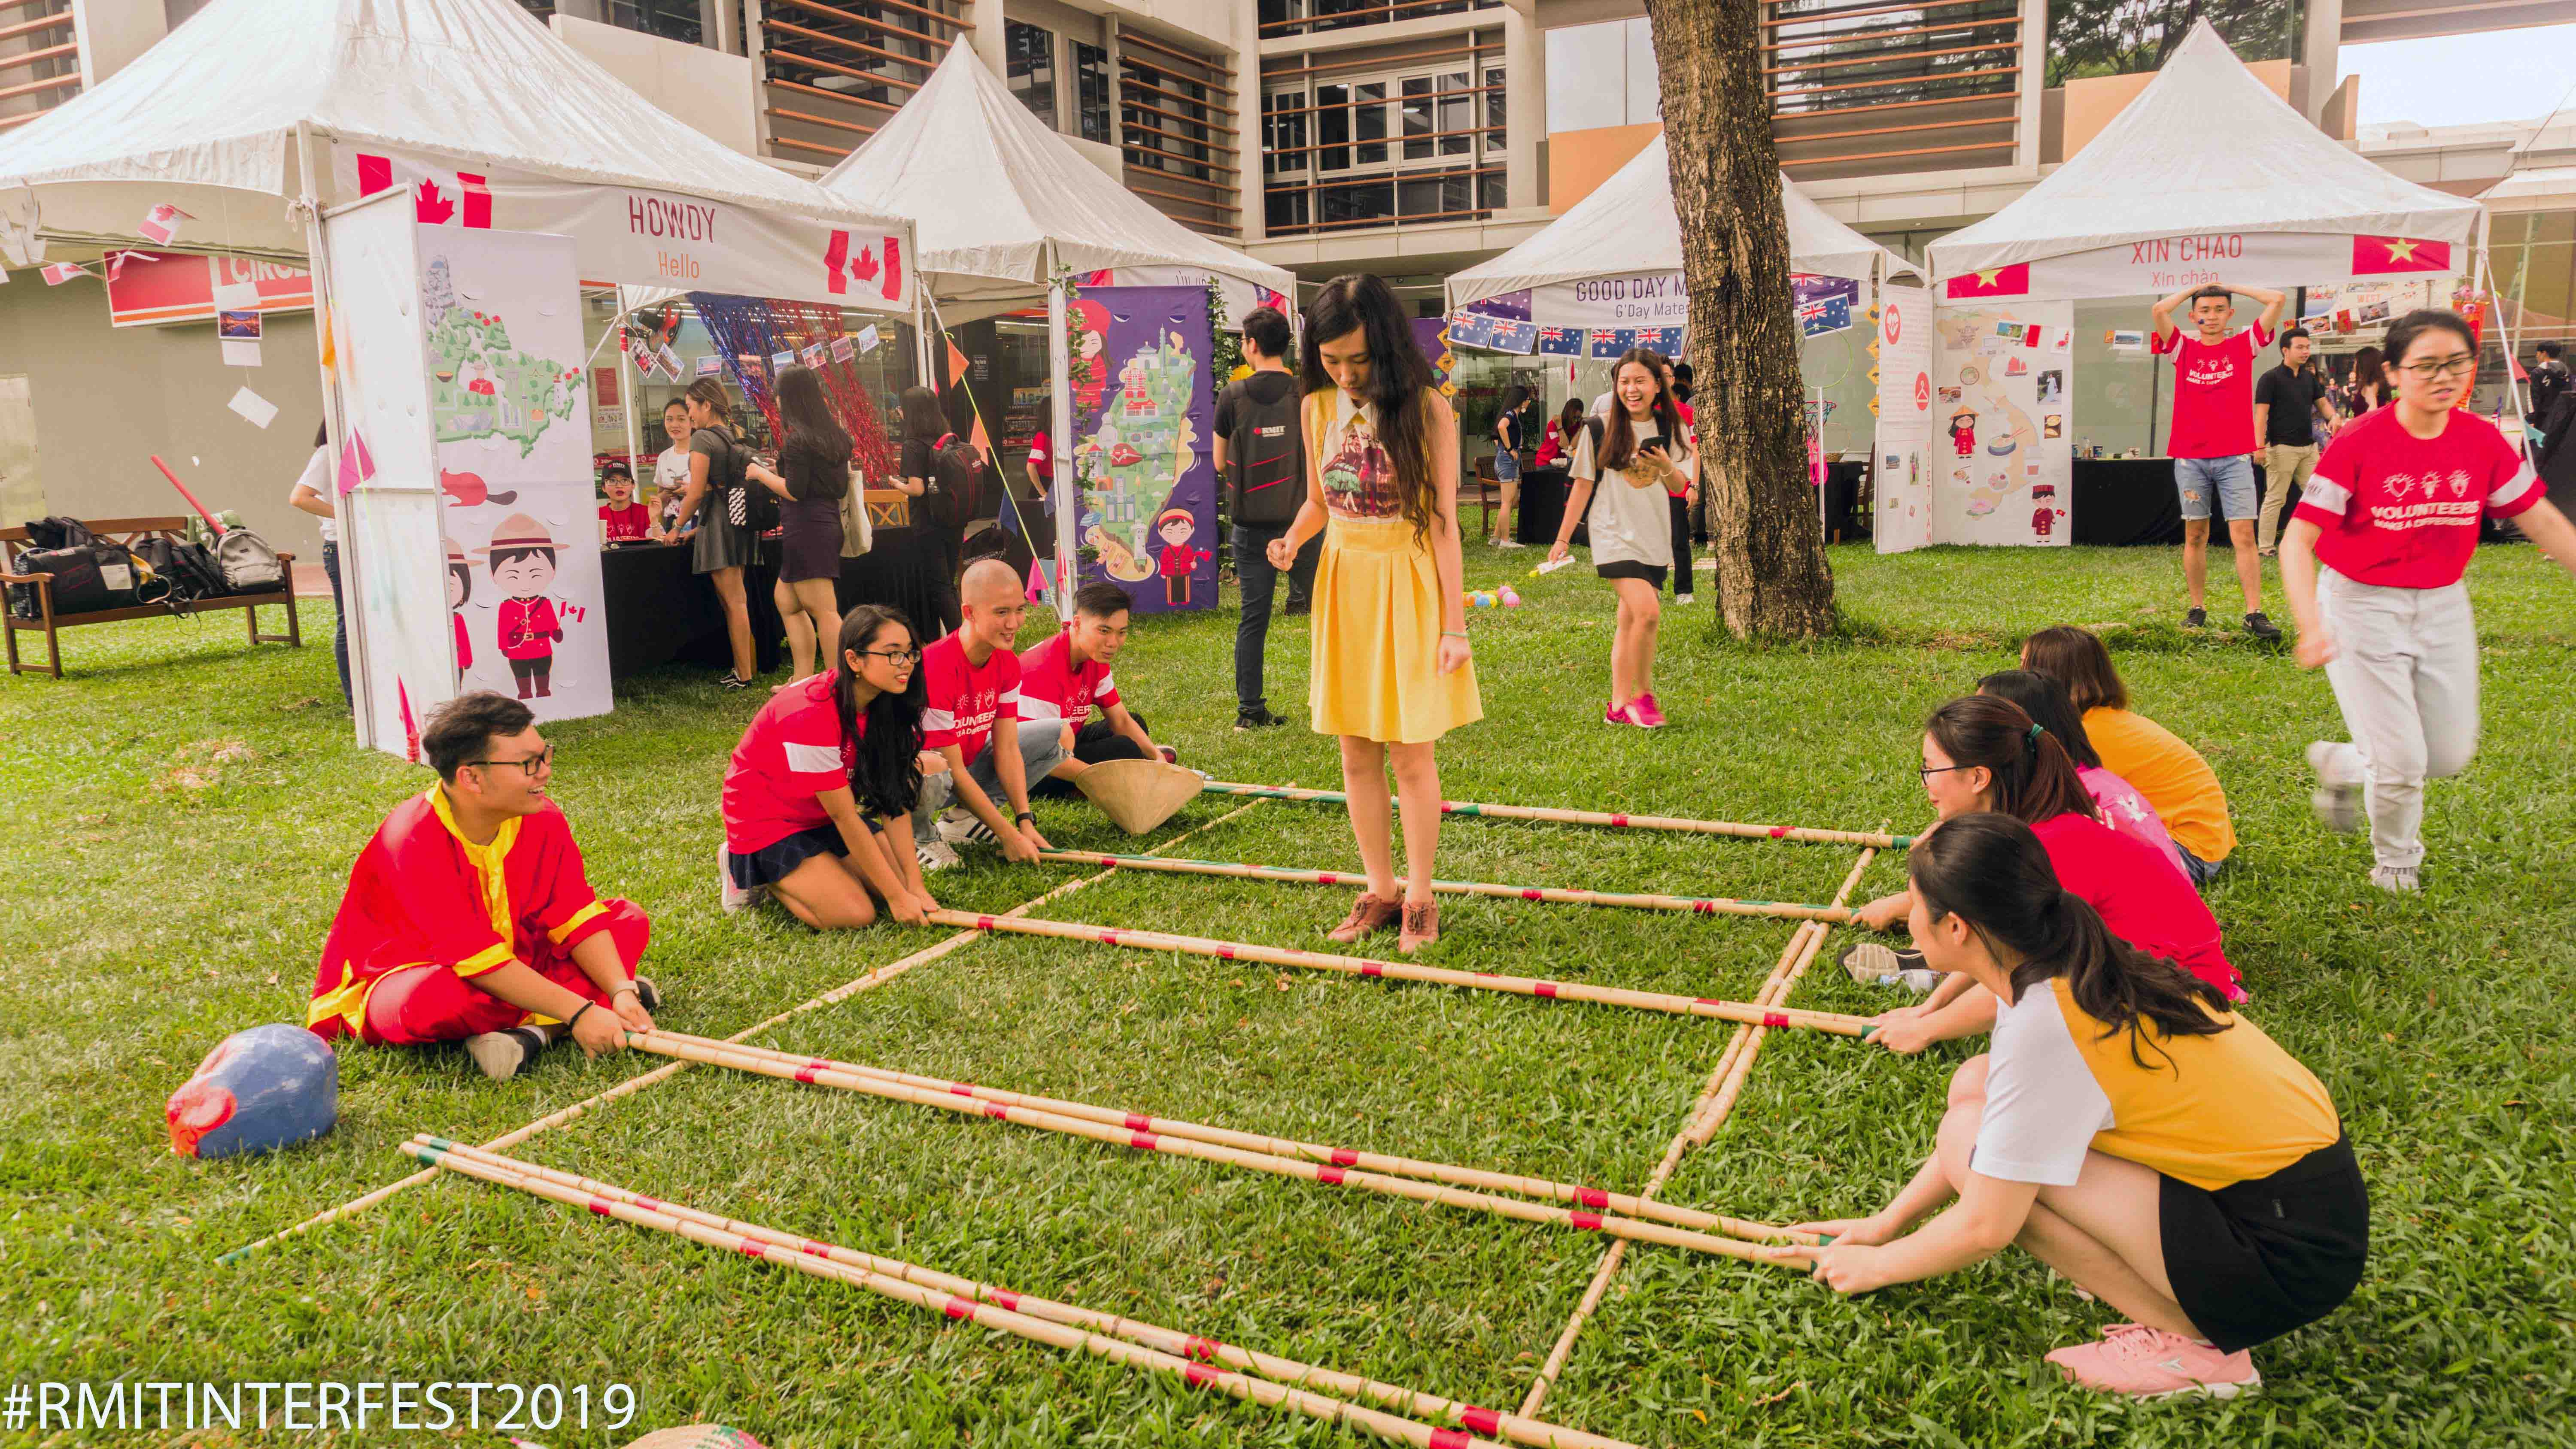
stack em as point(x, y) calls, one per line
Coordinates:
point(2392, 514)
point(971, 719)
point(467, 917)
point(822, 769)
point(1636, 460)
point(2126, 1129)
point(1062, 679)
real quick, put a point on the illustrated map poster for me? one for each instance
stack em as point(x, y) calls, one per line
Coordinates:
point(1903, 470)
point(519, 529)
point(2002, 463)
point(1142, 428)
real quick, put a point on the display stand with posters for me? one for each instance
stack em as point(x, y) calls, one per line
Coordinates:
point(1143, 422)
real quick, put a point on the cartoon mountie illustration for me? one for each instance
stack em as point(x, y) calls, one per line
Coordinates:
point(1963, 432)
point(460, 587)
point(1176, 525)
point(521, 560)
point(467, 490)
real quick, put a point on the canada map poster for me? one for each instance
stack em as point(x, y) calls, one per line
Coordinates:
point(1142, 430)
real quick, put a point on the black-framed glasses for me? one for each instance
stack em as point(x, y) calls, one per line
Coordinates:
point(892, 656)
point(2430, 369)
point(532, 766)
point(1928, 771)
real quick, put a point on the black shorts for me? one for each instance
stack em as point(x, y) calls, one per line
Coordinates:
point(1628, 568)
point(2254, 1260)
point(778, 860)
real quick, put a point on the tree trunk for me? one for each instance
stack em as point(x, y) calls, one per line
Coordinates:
point(1772, 578)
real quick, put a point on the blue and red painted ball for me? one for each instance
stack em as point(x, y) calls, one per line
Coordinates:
point(258, 1090)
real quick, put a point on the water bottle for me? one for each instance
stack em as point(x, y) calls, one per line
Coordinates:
point(1917, 979)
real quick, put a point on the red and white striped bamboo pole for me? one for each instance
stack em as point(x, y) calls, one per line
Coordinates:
point(1413, 1403)
point(985, 1315)
point(1142, 1141)
point(1696, 905)
point(1709, 1006)
point(1592, 1198)
point(1875, 839)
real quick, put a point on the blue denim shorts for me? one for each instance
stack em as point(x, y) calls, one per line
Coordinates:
point(2232, 479)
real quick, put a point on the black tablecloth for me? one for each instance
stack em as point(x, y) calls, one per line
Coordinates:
point(2123, 501)
point(1844, 519)
point(1542, 508)
point(895, 572)
point(659, 612)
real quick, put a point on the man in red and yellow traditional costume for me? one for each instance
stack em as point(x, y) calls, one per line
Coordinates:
point(468, 918)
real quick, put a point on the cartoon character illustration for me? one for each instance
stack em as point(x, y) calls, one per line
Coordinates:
point(2043, 520)
point(521, 560)
point(1963, 432)
point(1090, 372)
point(468, 490)
point(1176, 525)
point(460, 587)
point(2043, 490)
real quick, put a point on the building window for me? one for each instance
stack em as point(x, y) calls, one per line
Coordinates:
point(1091, 91)
point(1436, 134)
point(1283, 134)
point(2125, 37)
point(1028, 54)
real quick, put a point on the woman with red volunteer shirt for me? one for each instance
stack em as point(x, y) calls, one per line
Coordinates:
point(823, 766)
point(1983, 753)
point(2392, 513)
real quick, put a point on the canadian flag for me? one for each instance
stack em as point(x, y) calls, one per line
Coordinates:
point(438, 198)
point(160, 225)
point(2380, 256)
point(57, 273)
point(2012, 281)
point(841, 266)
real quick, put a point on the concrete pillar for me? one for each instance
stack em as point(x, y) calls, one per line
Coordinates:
point(987, 15)
point(2321, 50)
point(2034, 83)
point(1251, 210)
point(112, 33)
point(1524, 101)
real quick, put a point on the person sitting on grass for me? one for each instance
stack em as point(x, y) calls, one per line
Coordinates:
point(467, 917)
point(970, 718)
point(2121, 806)
point(2126, 1129)
point(821, 770)
point(1982, 753)
point(1062, 678)
point(2171, 774)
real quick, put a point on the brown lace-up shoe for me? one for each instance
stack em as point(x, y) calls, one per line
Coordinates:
point(1421, 927)
point(1368, 916)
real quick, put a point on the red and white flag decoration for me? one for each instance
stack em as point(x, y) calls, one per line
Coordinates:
point(2381, 256)
point(160, 225)
point(57, 273)
point(2012, 281)
point(872, 262)
point(438, 198)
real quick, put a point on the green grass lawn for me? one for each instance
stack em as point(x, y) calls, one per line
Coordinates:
point(178, 818)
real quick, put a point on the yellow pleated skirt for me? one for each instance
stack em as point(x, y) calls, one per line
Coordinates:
point(1376, 639)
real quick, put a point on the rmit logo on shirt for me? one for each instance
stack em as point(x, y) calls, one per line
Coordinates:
point(1274, 430)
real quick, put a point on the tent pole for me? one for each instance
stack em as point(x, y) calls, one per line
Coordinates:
point(2504, 329)
point(1061, 492)
point(630, 380)
point(336, 426)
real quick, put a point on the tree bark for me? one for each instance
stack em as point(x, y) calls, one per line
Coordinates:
point(1772, 578)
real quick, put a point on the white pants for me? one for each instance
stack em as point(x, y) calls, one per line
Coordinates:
point(2405, 674)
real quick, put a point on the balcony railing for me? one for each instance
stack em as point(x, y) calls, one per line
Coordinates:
point(1861, 88)
point(39, 59)
point(1315, 17)
point(831, 73)
point(1176, 126)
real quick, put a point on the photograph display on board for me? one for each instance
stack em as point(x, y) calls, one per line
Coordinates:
point(2005, 476)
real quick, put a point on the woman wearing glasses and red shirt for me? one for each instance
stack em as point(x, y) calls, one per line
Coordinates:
point(2392, 513)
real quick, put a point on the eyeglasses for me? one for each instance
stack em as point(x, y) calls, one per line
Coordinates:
point(2459, 366)
point(1928, 771)
point(533, 766)
point(892, 656)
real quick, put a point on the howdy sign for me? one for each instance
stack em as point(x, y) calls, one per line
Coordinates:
point(645, 238)
point(2162, 265)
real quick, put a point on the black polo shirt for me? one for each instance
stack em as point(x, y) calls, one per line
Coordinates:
point(2292, 423)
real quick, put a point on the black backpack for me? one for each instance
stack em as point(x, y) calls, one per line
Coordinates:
point(956, 473)
point(747, 504)
point(1266, 459)
point(88, 574)
point(189, 569)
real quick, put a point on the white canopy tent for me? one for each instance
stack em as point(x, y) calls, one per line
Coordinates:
point(1008, 212)
point(271, 122)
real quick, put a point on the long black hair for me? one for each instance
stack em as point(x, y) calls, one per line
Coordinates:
point(887, 777)
point(2034, 779)
point(1619, 440)
point(1399, 387)
point(1990, 871)
point(805, 419)
point(2403, 332)
point(922, 417)
point(2045, 700)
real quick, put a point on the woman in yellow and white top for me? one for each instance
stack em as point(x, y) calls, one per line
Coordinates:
point(2126, 1129)
point(1625, 466)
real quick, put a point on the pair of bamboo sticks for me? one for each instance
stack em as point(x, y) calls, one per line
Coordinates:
point(1260, 1378)
point(1695, 905)
point(1874, 839)
point(1708, 1006)
point(1618, 1215)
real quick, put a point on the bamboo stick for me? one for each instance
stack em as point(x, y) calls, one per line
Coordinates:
point(1592, 1198)
point(985, 1315)
point(1875, 839)
point(1829, 1021)
point(1775, 989)
point(1142, 1141)
point(577, 1110)
point(1410, 1402)
point(1709, 1120)
point(1696, 905)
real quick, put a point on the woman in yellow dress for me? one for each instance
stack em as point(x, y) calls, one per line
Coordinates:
point(1391, 670)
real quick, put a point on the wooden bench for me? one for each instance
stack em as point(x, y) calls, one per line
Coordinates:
point(129, 532)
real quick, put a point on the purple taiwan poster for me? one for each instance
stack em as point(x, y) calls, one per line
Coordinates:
point(1143, 430)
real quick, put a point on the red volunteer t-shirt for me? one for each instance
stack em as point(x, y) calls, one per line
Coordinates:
point(2213, 410)
point(2139, 895)
point(961, 700)
point(1054, 690)
point(2402, 511)
point(630, 522)
point(791, 753)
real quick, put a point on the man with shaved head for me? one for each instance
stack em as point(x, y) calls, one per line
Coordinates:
point(970, 719)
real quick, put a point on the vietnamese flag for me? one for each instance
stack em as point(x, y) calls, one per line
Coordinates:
point(2380, 256)
point(2012, 281)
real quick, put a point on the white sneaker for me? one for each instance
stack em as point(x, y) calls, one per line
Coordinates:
point(1509, 543)
point(736, 900)
point(1685, 598)
point(937, 855)
point(2396, 879)
point(2337, 798)
point(958, 826)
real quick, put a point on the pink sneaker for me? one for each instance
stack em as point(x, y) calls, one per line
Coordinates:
point(1616, 714)
point(2149, 1363)
point(1644, 713)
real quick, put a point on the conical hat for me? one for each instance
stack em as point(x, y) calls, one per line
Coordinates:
point(519, 531)
point(1138, 795)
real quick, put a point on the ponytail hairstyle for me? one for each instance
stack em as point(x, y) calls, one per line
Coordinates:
point(2075, 658)
point(887, 777)
point(805, 417)
point(2034, 779)
point(711, 392)
point(1399, 385)
point(1619, 439)
point(1990, 871)
point(2045, 701)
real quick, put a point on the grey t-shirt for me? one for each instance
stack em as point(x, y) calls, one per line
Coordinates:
point(1629, 520)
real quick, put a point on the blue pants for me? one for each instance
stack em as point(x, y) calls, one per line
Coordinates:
point(340, 614)
point(1041, 748)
